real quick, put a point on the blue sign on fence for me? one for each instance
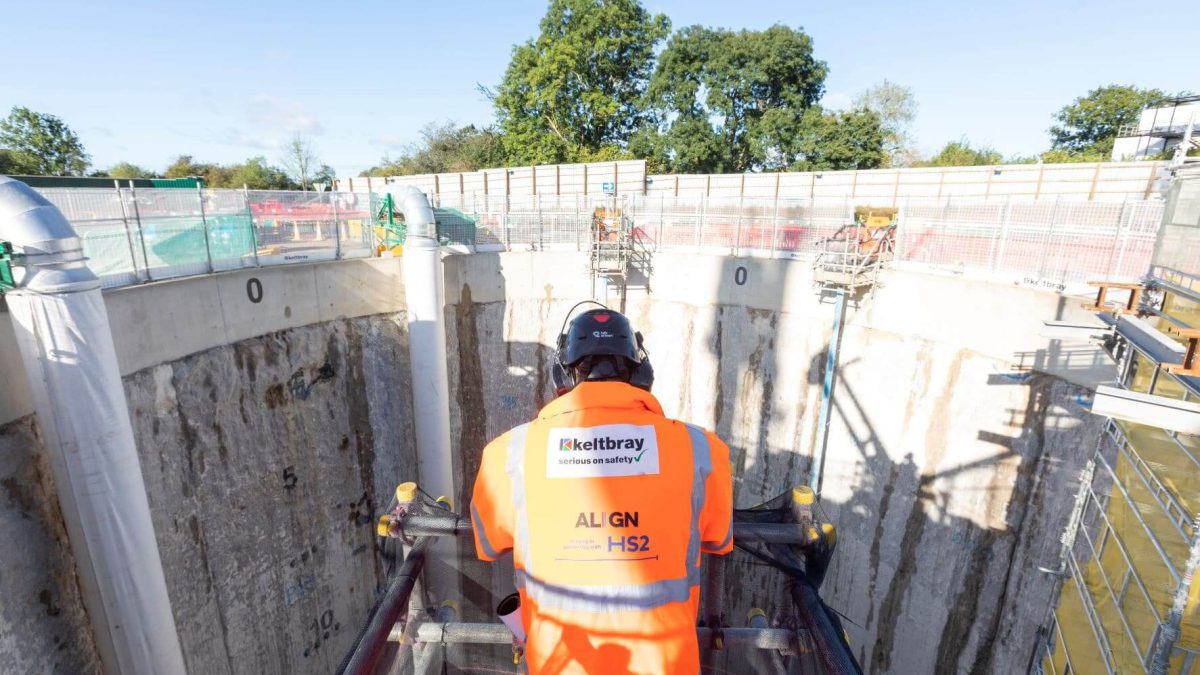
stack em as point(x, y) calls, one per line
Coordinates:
point(609, 188)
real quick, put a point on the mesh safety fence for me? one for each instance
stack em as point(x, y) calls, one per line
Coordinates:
point(136, 235)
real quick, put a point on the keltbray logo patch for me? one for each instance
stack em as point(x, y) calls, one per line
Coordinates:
point(602, 451)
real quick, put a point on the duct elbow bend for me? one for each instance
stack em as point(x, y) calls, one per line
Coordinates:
point(418, 214)
point(52, 259)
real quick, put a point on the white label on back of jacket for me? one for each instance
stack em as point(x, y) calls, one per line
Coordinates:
point(602, 451)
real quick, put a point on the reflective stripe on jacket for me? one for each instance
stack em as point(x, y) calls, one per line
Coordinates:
point(606, 505)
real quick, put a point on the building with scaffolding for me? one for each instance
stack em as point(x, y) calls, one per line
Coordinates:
point(1130, 597)
point(1159, 130)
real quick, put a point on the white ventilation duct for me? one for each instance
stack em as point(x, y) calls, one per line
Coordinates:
point(425, 302)
point(66, 346)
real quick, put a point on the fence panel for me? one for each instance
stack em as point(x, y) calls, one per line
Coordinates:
point(293, 227)
point(100, 219)
point(136, 235)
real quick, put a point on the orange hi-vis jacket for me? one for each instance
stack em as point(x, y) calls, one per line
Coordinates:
point(607, 506)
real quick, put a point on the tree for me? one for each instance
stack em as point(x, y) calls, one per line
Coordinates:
point(573, 92)
point(8, 163)
point(960, 153)
point(324, 174)
point(42, 144)
point(897, 108)
point(125, 171)
point(854, 139)
point(298, 159)
point(255, 174)
point(446, 148)
point(185, 167)
point(1089, 124)
point(725, 101)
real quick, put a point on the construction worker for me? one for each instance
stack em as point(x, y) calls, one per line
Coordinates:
point(607, 506)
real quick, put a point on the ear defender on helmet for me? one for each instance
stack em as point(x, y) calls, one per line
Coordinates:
point(562, 377)
point(643, 373)
point(599, 345)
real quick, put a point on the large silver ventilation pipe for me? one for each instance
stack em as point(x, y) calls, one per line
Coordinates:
point(425, 303)
point(67, 349)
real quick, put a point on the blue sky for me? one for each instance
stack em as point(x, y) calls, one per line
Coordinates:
point(223, 80)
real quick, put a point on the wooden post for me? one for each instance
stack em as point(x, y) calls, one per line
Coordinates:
point(1153, 170)
point(558, 179)
point(533, 178)
point(1037, 193)
point(896, 189)
point(1095, 177)
point(941, 182)
point(585, 187)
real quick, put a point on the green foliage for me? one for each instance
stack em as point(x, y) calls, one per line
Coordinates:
point(896, 106)
point(573, 92)
point(324, 174)
point(960, 153)
point(446, 148)
point(1089, 124)
point(125, 171)
point(8, 163)
point(255, 173)
point(1095, 154)
point(854, 139)
point(41, 144)
point(725, 101)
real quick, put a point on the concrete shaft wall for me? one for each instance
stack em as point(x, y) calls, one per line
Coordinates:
point(272, 414)
point(955, 442)
point(271, 409)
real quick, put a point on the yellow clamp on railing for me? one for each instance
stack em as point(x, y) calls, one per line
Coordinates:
point(406, 492)
point(803, 495)
point(383, 527)
point(754, 611)
point(830, 533)
point(445, 502)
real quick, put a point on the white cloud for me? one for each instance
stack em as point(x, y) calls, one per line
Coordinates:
point(278, 114)
point(238, 137)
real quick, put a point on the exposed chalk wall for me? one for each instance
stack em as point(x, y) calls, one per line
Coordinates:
point(272, 414)
point(43, 628)
point(955, 442)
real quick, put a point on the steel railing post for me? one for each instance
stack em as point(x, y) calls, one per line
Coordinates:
point(137, 215)
point(504, 222)
point(250, 225)
point(337, 227)
point(128, 232)
point(1124, 226)
point(774, 225)
point(204, 227)
point(1002, 240)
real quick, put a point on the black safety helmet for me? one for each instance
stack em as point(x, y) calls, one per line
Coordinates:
point(600, 332)
point(600, 344)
